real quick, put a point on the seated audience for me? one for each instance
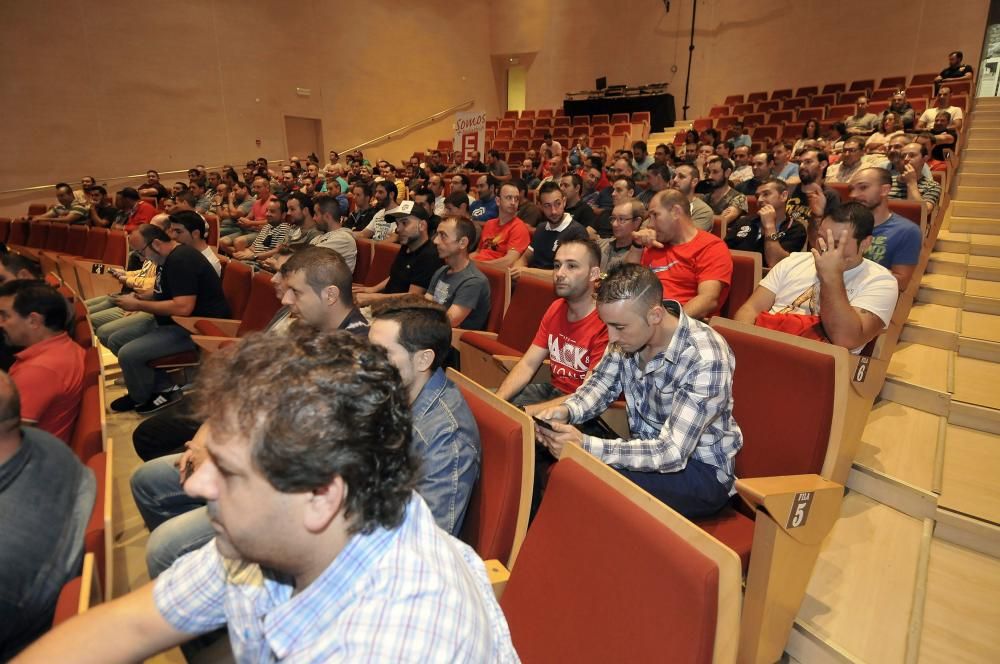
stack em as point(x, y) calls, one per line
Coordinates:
point(889, 126)
point(810, 132)
point(685, 181)
point(941, 103)
point(850, 161)
point(497, 167)
point(475, 163)
point(742, 170)
point(956, 69)
point(381, 227)
point(456, 204)
point(317, 291)
point(46, 497)
point(67, 210)
point(459, 286)
point(896, 241)
point(810, 200)
point(902, 109)
point(485, 207)
point(237, 205)
point(271, 235)
point(641, 159)
point(414, 265)
point(190, 228)
point(725, 201)
point(302, 223)
point(831, 293)
point(944, 139)
point(783, 167)
point(694, 266)
point(760, 170)
point(361, 194)
point(559, 227)
point(571, 185)
point(250, 223)
point(460, 183)
point(862, 123)
point(505, 238)
point(769, 232)
point(912, 183)
point(676, 374)
point(48, 371)
point(187, 285)
point(136, 211)
point(15, 266)
point(626, 218)
point(336, 237)
point(327, 476)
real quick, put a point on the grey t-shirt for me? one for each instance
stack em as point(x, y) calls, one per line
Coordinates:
point(701, 215)
point(466, 288)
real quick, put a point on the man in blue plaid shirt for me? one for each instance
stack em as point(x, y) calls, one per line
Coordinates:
point(677, 375)
point(323, 551)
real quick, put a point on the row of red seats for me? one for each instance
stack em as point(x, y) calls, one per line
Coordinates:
point(863, 86)
point(97, 244)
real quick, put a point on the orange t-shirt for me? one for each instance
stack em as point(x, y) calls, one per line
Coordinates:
point(49, 378)
point(681, 267)
point(496, 240)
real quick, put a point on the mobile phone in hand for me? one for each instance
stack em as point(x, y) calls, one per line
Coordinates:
point(542, 423)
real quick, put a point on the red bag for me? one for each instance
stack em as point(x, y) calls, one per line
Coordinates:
point(801, 325)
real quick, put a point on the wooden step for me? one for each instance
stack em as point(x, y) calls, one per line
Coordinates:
point(980, 154)
point(983, 268)
point(920, 377)
point(984, 132)
point(976, 210)
point(978, 244)
point(944, 289)
point(943, 262)
point(988, 166)
point(960, 223)
point(981, 295)
point(976, 382)
point(962, 606)
point(861, 593)
point(972, 178)
point(983, 194)
point(977, 143)
point(901, 442)
point(970, 470)
point(932, 325)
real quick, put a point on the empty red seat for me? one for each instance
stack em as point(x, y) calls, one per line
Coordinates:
point(601, 118)
point(529, 302)
point(116, 248)
point(807, 91)
point(911, 210)
point(617, 118)
point(923, 79)
point(897, 82)
point(882, 94)
point(76, 240)
point(717, 111)
point(781, 94)
point(753, 119)
point(794, 103)
point(864, 85)
point(822, 100)
point(383, 254)
point(236, 287)
point(839, 112)
point(780, 117)
point(768, 106)
point(18, 235)
point(734, 99)
point(741, 109)
point(834, 87)
point(806, 114)
point(88, 436)
point(746, 275)
point(38, 233)
point(55, 241)
point(757, 96)
point(701, 124)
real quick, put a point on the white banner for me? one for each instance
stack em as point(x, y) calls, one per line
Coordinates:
point(470, 133)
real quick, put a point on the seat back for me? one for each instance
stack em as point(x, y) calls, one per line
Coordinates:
point(383, 254)
point(261, 306)
point(604, 562)
point(35, 209)
point(18, 233)
point(97, 535)
point(4, 228)
point(116, 248)
point(834, 87)
point(88, 434)
point(786, 392)
point(236, 287)
point(78, 594)
point(76, 240)
point(55, 241)
point(497, 516)
point(528, 303)
point(97, 239)
point(363, 262)
point(37, 234)
point(912, 210)
point(499, 295)
point(747, 268)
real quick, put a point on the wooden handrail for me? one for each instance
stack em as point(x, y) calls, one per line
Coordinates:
point(413, 125)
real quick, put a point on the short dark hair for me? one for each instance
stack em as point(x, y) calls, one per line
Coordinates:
point(14, 263)
point(457, 199)
point(326, 205)
point(821, 154)
point(390, 189)
point(341, 411)
point(98, 188)
point(593, 250)
point(37, 297)
point(63, 185)
point(463, 177)
point(629, 281)
point(629, 182)
point(322, 267)
point(641, 145)
point(423, 324)
point(305, 202)
point(549, 187)
point(366, 188)
point(575, 177)
point(464, 228)
point(191, 221)
point(726, 164)
point(149, 232)
point(859, 141)
point(662, 170)
point(957, 54)
point(188, 197)
point(857, 215)
point(781, 185)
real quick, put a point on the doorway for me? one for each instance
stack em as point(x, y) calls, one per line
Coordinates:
point(304, 136)
point(516, 87)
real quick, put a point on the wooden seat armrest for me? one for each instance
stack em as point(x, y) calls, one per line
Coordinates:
point(211, 344)
point(507, 362)
point(227, 325)
point(804, 506)
point(498, 576)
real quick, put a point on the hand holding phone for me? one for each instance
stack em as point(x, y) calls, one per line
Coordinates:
point(542, 423)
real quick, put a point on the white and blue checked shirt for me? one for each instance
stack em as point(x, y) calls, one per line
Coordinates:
point(412, 594)
point(680, 404)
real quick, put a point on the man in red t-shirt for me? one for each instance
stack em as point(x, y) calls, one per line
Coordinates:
point(139, 211)
point(571, 335)
point(694, 266)
point(505, 238)
point(49, 371)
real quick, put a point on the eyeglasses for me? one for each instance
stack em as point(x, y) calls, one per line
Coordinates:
point(623, 220)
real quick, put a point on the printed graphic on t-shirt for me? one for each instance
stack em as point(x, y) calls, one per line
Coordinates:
point(877, 249)
point(441, 290)
point(567, 358)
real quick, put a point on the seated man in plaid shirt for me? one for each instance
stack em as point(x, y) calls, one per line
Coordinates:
point(323, 551)
point(677, 374)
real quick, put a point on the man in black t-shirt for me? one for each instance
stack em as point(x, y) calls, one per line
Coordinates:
point(956, 70)
point(186, 285)
point(571, 185)
point(811, 200)
point(559, 226)
point(416, 262)
point(768, 232)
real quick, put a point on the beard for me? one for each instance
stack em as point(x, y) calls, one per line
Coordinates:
point(805, 177)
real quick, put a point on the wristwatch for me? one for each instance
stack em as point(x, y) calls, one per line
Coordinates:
point(774, 237)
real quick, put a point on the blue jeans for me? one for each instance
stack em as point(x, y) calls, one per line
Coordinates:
point(178, 523)
point(695, 492)
point(117, 332)
point(142, 381)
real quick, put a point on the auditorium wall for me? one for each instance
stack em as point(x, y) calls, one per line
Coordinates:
point(114, 88)
point(740, 45)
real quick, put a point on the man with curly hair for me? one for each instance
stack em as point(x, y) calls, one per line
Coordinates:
point(323, 551)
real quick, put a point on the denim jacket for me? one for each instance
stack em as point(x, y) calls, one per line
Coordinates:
point(446, 439)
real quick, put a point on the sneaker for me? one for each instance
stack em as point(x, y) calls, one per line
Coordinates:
point(123, 404)
point(159, 401)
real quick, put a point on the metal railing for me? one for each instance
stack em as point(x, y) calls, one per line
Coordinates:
point(406, 128)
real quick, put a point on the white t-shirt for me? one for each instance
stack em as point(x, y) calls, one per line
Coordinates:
point(927, 117)
point(869, 286)
point(213, 259)
point(380, 226)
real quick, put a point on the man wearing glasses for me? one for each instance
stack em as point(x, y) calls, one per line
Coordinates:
point(626, 218)
point(559, 226)
point(850, 161)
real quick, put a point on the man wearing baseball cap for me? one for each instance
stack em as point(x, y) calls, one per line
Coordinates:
point(416, 262)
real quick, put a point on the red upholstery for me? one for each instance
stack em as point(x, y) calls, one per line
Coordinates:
point(842, 189)
point(498, 280)
point(834, 87)
point(923, 79)
point(781, 94)
point(209, 329)
point(600, 118)
point(823, 100)
point(69, 601)
point(734, 99)
point(236, 287)
point(742, 286)
point(55, 241)
point(491, 517)
point(740, 109)
point(91, 365)
point(757, 96)
point(862, 85)
point(261, 306)
point(896, 82)
point(793, 103)
point(116, 248)
point(769, 106)
point(76, 240)
point(38, 232)
point(882, 94)
point(93, 536)
point(97, 240)
point(779, 117)
point(909, 209)
point(807, 114)
point(598, 580)
point(784, 433)
point(718, 111)
point(735, 530)
point(838, 112)
point(4, 228)
point(807, 91)
point(37, 208)
point(18, 233)
point(489, 345)
point(384, 253)
point(528, 304)
point(363, 262)
point(753, 119)
point(87, 438)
